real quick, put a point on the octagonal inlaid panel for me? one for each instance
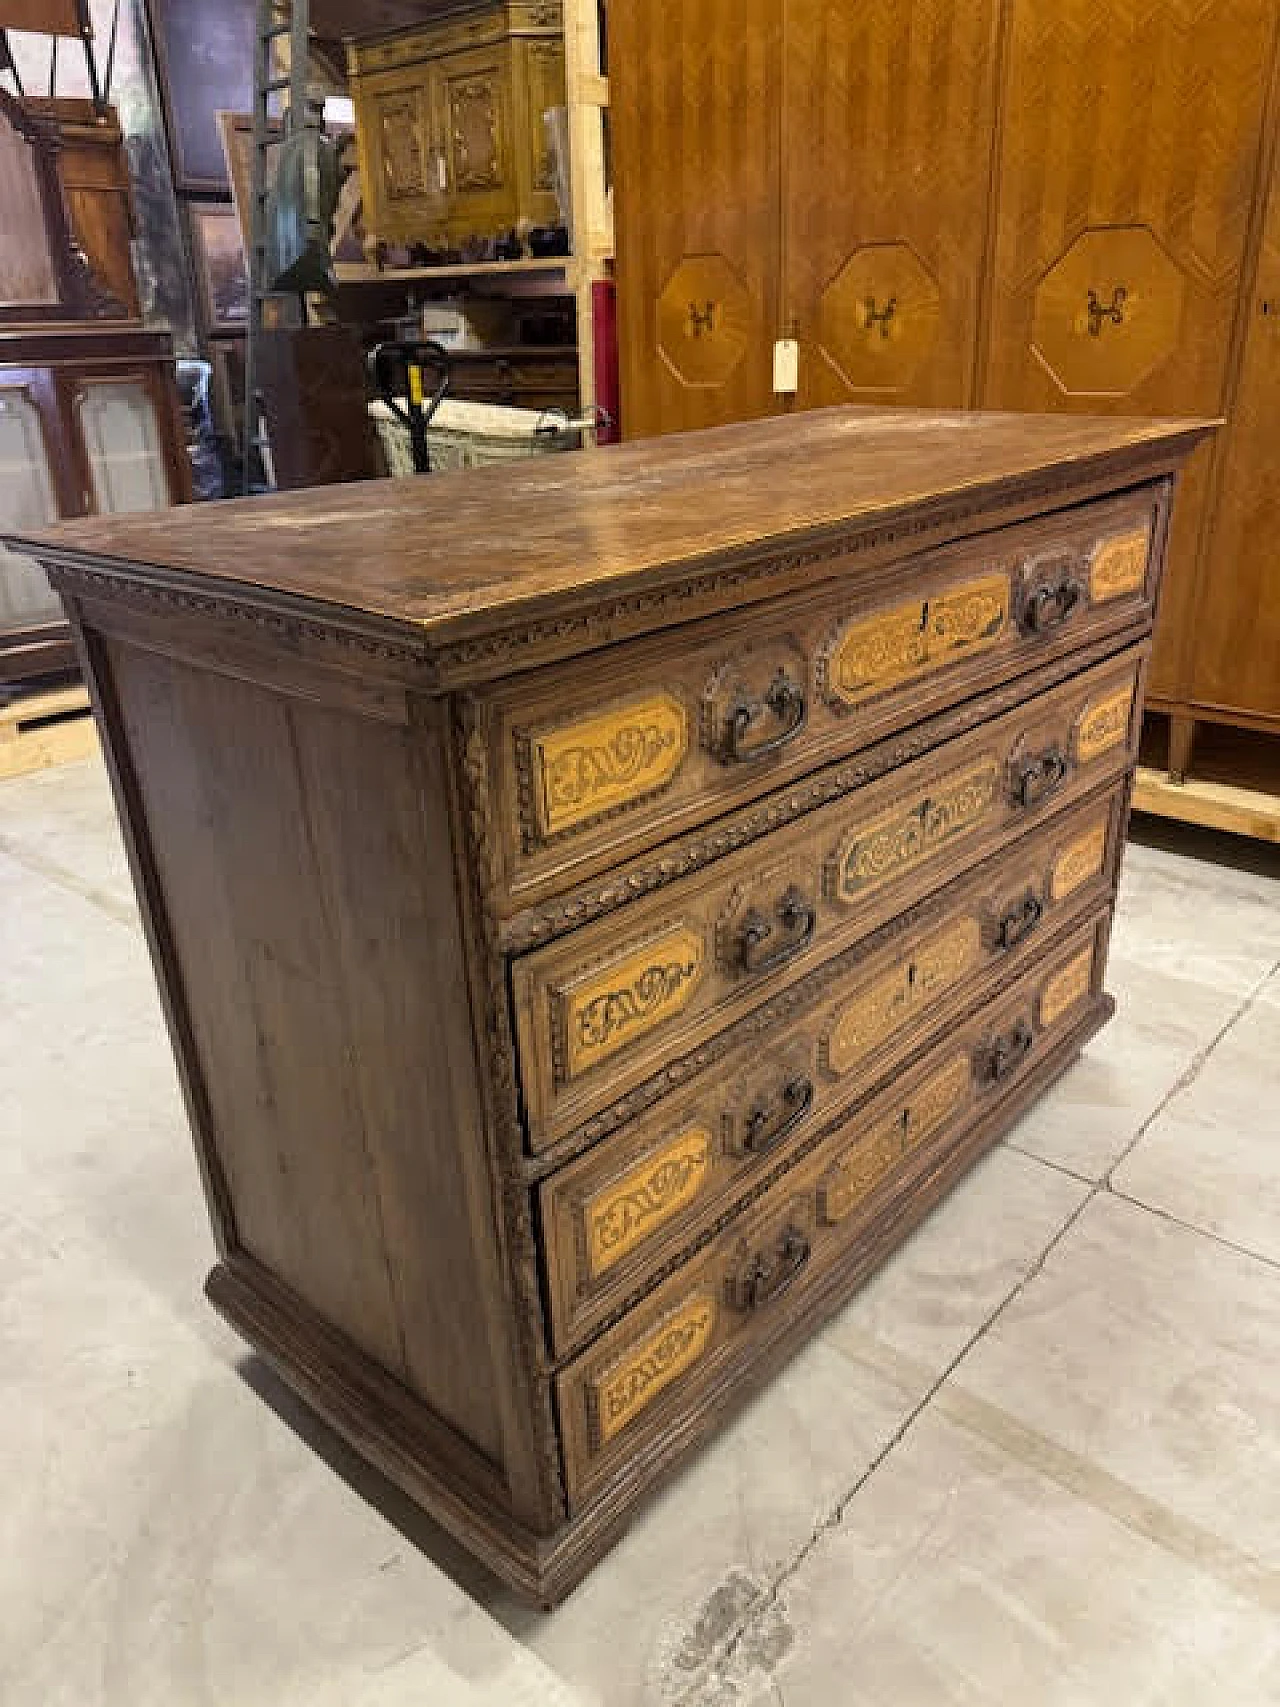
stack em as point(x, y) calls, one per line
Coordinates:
point(880, 317)
point(704, 320)
point(1107, 312)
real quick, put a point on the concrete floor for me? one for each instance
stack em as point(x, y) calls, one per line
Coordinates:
point(1036, 1462)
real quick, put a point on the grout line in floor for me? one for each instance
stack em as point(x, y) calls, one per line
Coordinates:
point(768, 1600)
point(1191, 1227)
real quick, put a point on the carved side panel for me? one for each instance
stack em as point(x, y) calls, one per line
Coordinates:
point(400, 146)
point(477, 141)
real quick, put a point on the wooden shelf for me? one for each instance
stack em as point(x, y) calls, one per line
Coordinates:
point(42, 729)
point(355, 272)
point(1233, 783)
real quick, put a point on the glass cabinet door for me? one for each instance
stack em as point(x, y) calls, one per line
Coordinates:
point(26, 500)
point(122, 441)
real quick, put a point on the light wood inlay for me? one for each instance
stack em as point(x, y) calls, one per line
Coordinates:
point(1078, 862)
point(909, 835)
point(611, 1008)
point(622, 1391)
point(1119, 565)
point(1066, 988)
point(597, 764)
point(857, 1172)
point(894, 999)
point(1104, 725)
point(631, 1209)
point(913, 639)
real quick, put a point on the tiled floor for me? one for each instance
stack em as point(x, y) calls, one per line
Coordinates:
point(1036, 1462)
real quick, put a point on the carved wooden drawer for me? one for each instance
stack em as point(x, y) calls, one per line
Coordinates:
point(712, 1316)
point(627, 1206)
point(599, 1011)
point(594, 762)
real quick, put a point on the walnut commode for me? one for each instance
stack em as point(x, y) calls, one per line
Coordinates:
point(600, 907)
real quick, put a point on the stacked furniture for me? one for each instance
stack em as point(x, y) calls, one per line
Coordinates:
point(996, 205)
point(598, 912)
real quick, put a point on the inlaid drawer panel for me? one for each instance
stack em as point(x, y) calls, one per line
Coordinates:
point(595, 762)
point(630, 1204)
point(647, 1373)
point(598, 1011)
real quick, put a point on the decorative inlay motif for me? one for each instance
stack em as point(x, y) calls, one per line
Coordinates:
point(909, 641)
point(857, 1172)
point(908, 835)
point(1104, 724)
point(1079, 861)
point(1119, 565)
point(402, 167)
point(619, 1393)
point(594, 765)
point(1066, 988)
point(629, 1210)
point(899, 995)
point(612, 1007)
point(475, 130)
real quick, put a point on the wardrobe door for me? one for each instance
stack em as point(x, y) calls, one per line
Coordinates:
point(695, 114)
point(888, 114)
point(1236, 656)
point(1130, 135)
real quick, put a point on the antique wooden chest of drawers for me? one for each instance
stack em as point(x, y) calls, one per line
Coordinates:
point(600, 906)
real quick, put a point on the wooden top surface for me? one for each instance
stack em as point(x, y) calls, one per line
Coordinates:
point(456, 554)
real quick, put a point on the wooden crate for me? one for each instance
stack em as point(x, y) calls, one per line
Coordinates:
point(42, 729)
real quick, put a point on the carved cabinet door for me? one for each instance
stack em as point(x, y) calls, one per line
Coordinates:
point(696, 114)
point(887, 142)
point(473, 103)
point(1129, 146)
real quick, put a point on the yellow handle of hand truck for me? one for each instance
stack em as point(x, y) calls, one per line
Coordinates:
point(415, 386)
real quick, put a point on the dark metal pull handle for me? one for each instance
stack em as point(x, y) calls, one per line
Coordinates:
point(1097, 311)
point(769, 1273)
point(773, 1120)
point(997, 1059)
point(1019, 922)
point(1049, 606)
point(764, 944)
point(783, 700)
point(1037, 779)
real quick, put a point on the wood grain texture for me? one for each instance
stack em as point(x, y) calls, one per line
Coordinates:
point(696, 113)
point(1130, 137)
point(427, 1123)
point(888, 119)
point(550, 540)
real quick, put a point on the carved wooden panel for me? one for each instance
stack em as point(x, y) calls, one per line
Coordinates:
point(594, 761)
point(1119, 565)
point(1104, 724)
point(709, 1319)
point(477, 130)
point(758, 1094)
point(601, 1009)
point(402, 145)
point(1121, 223)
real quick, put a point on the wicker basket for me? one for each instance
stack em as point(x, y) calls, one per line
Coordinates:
point(468, 435)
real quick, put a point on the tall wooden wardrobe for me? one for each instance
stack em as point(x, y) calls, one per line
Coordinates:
point(1034, 204)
